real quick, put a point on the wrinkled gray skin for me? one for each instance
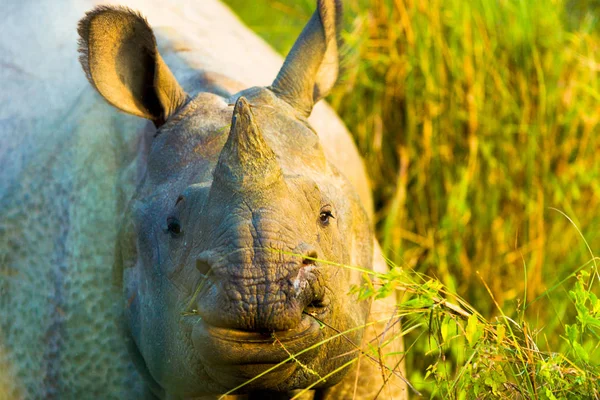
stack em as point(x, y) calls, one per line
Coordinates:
point(240, 234)
point(222, 252)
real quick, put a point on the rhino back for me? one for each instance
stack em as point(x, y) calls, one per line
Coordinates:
point(68, 167)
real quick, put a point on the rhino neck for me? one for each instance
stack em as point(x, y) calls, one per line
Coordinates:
point(190, 68)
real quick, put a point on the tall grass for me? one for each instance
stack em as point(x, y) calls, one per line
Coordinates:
point(479, 122)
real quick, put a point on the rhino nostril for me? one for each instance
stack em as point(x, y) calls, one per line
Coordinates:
point(310, 258)
point(203, 267)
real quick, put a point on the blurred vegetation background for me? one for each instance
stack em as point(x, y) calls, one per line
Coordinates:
point(479, 124)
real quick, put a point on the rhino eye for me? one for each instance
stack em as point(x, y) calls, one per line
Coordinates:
point(325, 216)
point(174, 226)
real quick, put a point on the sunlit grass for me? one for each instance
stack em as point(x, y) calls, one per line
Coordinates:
point(477, 120)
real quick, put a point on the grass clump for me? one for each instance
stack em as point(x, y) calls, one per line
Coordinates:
point(478, 121)
point(469, 356)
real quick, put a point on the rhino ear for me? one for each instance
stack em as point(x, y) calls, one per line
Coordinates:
point(119, 56)
point(311, 68)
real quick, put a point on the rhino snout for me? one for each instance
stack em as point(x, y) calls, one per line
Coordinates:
point(261, 290)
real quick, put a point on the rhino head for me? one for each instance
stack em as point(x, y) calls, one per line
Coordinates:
point(230, 251)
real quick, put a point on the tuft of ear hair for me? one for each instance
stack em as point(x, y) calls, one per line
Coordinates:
point(119, 56)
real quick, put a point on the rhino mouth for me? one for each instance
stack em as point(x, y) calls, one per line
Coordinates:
point(232, 357)
point(233, 346)
point(306, 327)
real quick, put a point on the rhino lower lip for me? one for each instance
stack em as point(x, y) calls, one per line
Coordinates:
point(235, 335)
point(222, 346)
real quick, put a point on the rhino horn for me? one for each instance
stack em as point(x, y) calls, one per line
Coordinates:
point(246, 159)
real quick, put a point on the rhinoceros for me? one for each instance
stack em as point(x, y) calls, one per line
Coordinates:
point(188, 249)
